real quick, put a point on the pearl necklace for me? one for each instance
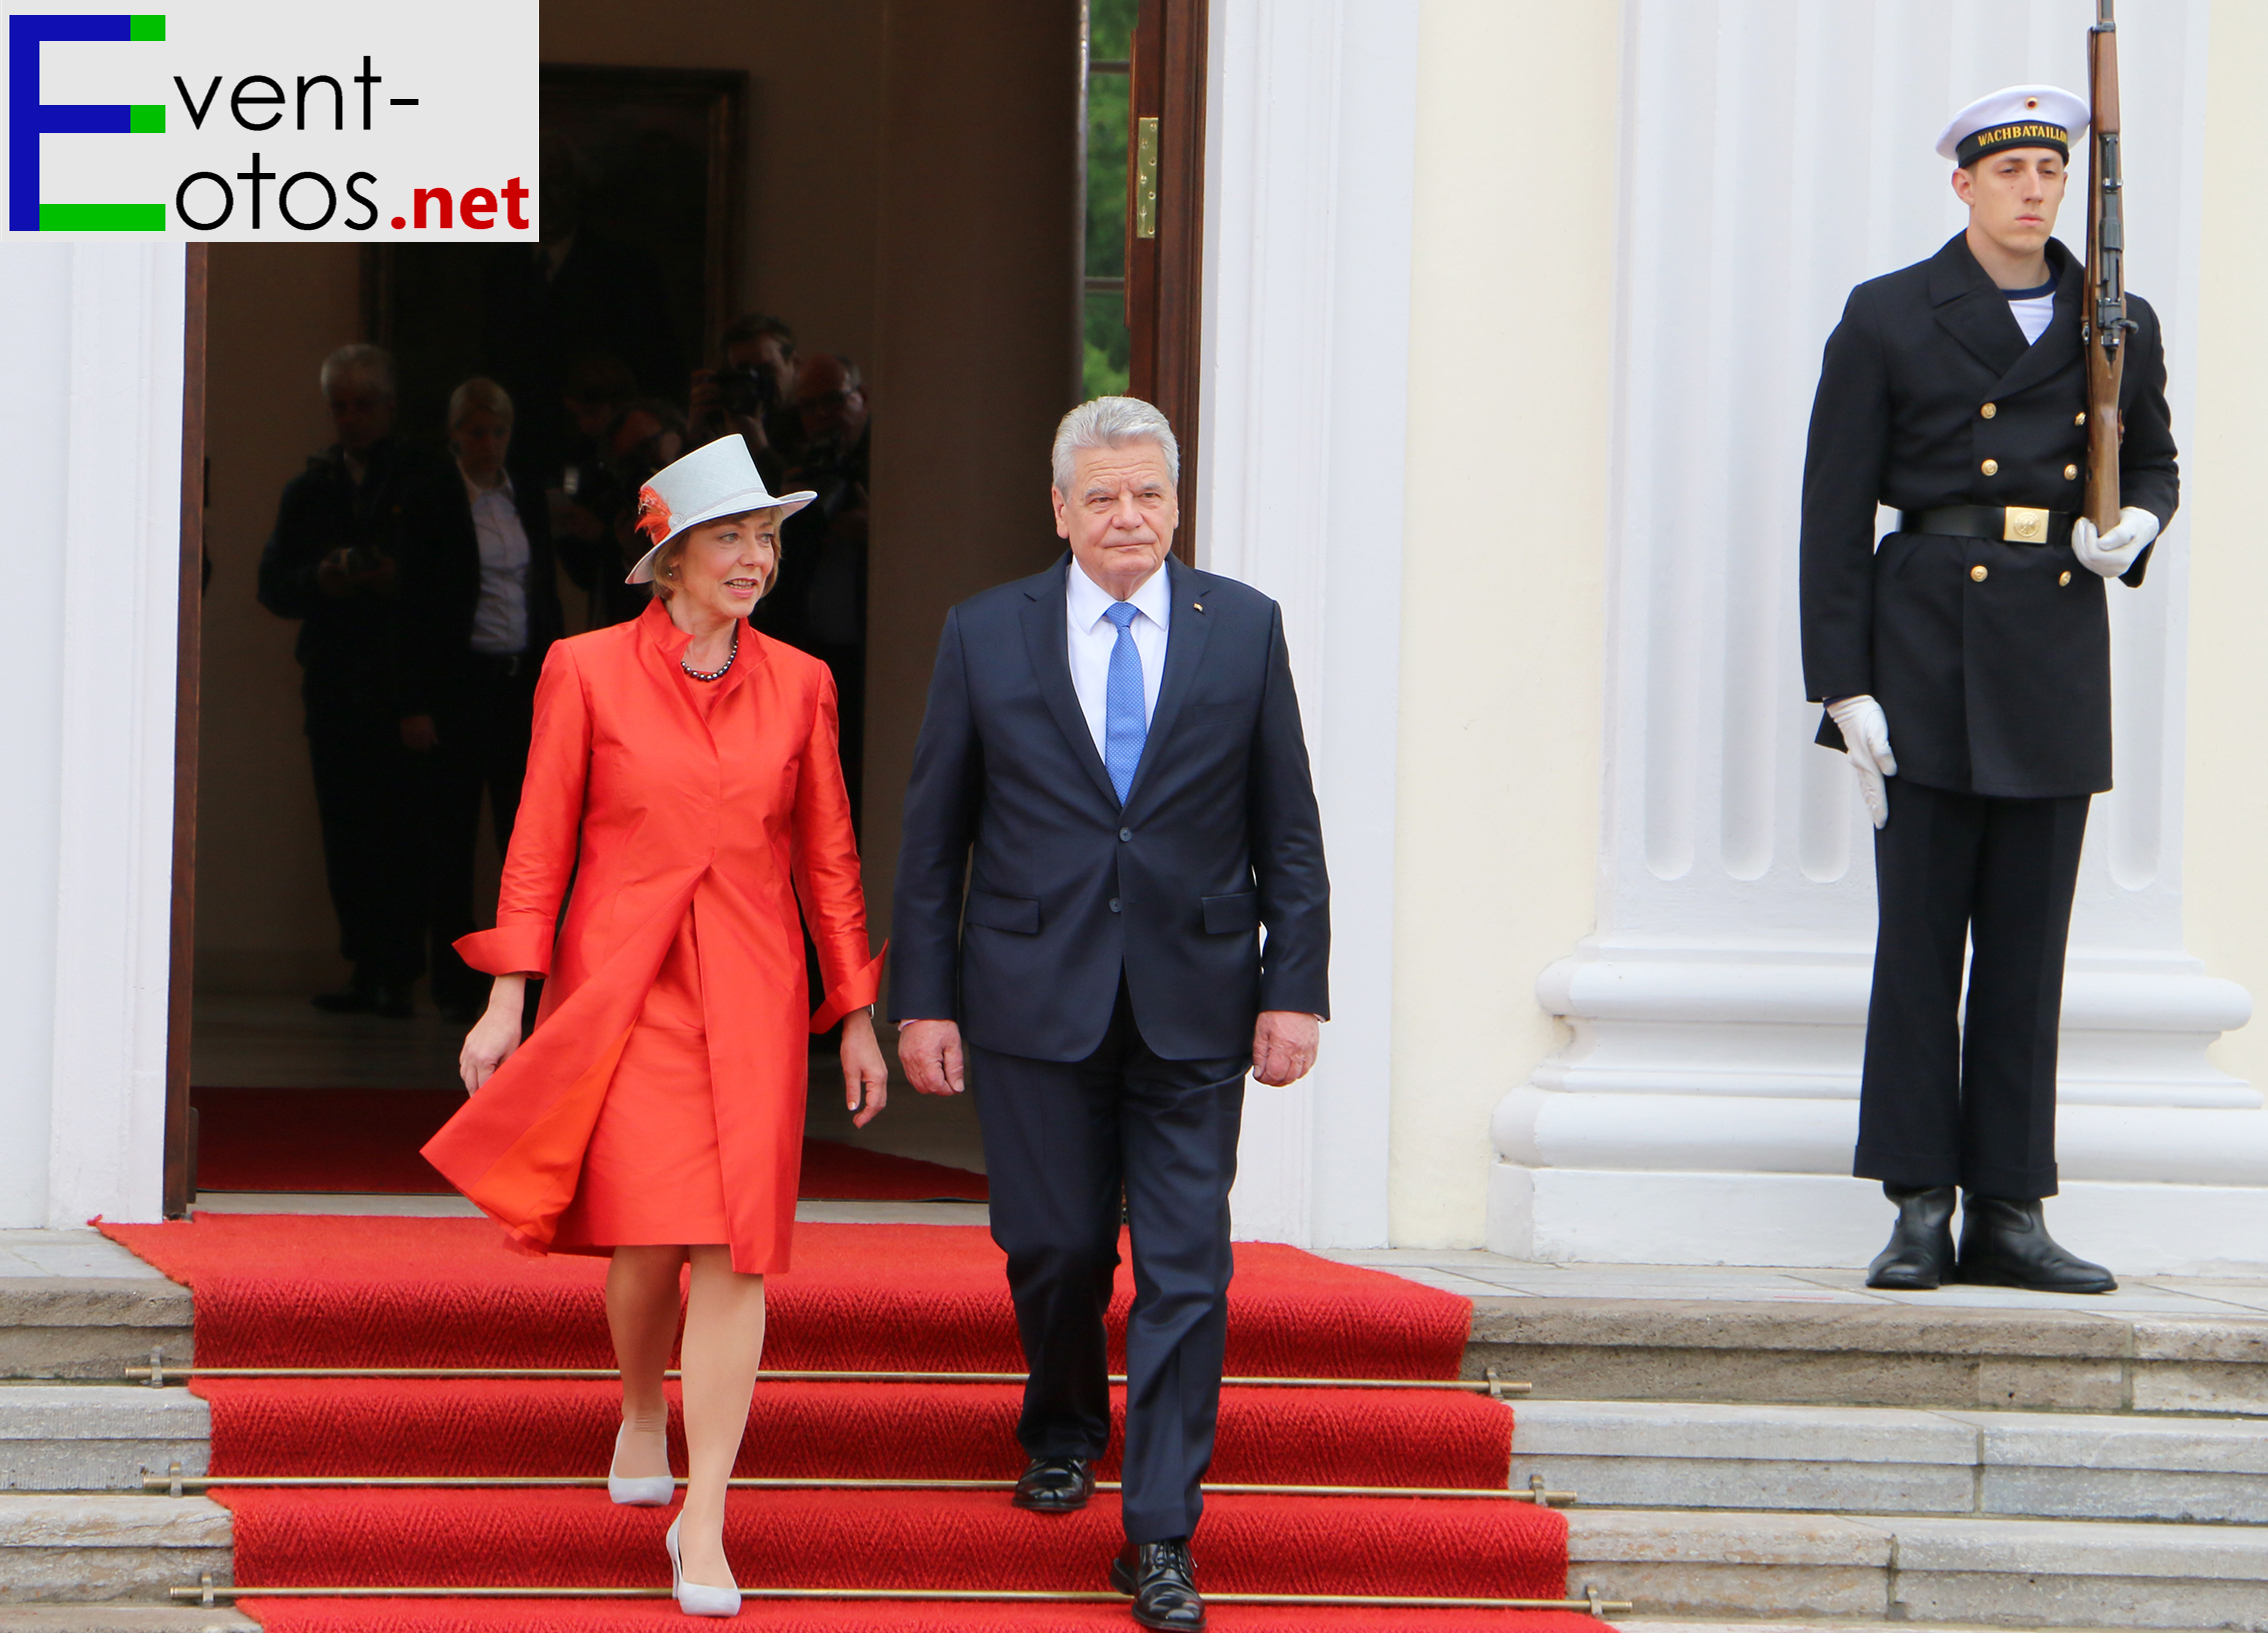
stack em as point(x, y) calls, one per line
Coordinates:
point(719, 672)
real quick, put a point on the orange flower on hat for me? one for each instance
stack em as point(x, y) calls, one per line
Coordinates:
point(653, 514)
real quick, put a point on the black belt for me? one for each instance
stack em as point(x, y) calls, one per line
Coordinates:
point(2015, 524)
point(497, 663)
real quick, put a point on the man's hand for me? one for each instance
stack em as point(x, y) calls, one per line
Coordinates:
point(930, 1051)
point(1866, 734)
point(2113, 553)
point(418, 733)
point(1283, 1046)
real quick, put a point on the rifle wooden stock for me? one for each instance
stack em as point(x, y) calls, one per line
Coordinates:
point(2105, 323)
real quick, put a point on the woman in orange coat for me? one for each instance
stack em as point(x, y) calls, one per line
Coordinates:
point(684, 776)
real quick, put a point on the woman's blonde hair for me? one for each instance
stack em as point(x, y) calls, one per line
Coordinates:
point(665, 564)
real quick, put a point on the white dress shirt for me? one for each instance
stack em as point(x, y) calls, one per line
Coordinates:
point(500, 617)
point(1092, 636)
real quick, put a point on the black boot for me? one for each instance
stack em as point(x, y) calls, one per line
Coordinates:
point(2006, 1244)
point(1920, 1254)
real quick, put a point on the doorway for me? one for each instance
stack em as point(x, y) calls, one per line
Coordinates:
point(963, 293)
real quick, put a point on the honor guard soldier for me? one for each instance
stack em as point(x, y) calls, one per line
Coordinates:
point(1965, 669)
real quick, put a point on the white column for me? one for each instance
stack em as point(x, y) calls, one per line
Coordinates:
point(1310, 139)
point(1774, 153)
point(95, 370)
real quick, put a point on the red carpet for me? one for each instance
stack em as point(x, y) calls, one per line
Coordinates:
point(366, 1140)
point(312, 1290)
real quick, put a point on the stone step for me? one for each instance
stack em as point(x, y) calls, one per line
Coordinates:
point(1886, 1460)
point(2059, 1356)
point(95, 1437)
point(108, 1546)
point(123, 1619)
point(74, 1304)
point(1932, 1569)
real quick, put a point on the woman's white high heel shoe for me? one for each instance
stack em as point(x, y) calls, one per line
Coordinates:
point(692, 1597)
point(646, 1491)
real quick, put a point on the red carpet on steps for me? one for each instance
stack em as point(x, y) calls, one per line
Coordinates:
point(329, 1290)
point(366, 1140)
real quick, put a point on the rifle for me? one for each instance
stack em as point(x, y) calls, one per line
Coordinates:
point(2103, 330)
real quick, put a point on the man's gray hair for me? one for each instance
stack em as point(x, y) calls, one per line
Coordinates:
point(1112, 422)
point(371, 362)
point(479, 395)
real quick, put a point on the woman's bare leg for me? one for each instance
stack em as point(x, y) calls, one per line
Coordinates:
point(724, 1344)
point(641, 1312)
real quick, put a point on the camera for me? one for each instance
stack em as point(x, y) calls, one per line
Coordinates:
point(747, 391)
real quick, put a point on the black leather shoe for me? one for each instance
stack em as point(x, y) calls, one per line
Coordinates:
point(1920, 1254)
point(2006, 1244)
point(1163, 1580)
point(393, 1001)
point(1055, 1485)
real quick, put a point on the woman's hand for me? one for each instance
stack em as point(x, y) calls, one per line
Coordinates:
point(496, 1034)
point(864, 1076)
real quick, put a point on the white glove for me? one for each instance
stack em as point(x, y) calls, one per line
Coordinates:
point(1866, 733)
point(2112, 553)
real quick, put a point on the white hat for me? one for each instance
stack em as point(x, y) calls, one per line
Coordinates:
point(718, 480)
point(2020, 116)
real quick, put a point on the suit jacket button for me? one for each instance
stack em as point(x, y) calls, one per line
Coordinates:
point(2079, 418)
point(2070, 472)
point(1990, 467)
point(1114, 904)
point(1978, 573)
point(1125, 834)
point(1989, 410)
point(2065, 579)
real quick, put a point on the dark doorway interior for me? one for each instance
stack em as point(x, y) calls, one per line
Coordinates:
point(903, 184)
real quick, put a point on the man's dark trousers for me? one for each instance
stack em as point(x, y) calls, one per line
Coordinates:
point(1936, 1108)
point(1060, 1139)
point(366, 800)
point(481, 725)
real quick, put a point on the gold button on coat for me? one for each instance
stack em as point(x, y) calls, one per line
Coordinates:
point(2079, 418)
point(1991, 467)
point(2070, 471)
point(1989, 410)
point(1977, 573)
point(2065, 579)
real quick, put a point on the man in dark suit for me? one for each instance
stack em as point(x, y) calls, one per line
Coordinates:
point(1112, 765)
point(481, 594)
point(332, 563)
point(1976, 639)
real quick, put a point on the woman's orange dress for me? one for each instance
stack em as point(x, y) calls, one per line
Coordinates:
point(659, 1098)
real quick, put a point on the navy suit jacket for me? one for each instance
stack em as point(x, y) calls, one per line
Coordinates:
point(1065, 887)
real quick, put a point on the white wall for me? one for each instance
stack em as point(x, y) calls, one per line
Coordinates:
point(1310, 149)
point(93, 359)
point(2225, 910)
point(1504, 564)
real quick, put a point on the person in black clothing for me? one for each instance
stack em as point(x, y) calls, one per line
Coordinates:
point(481, 601)
point(752, 390)
point(820, 603)
point(1975, 643)
point(332, 563)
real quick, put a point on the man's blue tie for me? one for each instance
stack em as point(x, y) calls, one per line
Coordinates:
point(1124, 727)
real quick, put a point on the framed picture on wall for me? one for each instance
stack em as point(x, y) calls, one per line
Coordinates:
point(639, 211)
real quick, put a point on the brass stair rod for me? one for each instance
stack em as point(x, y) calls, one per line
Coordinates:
point(207, 1593)
point(1479, 1386)
point(176, 1484)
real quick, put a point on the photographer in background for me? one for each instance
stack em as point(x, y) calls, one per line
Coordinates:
point(751, 391)
point(332, 564)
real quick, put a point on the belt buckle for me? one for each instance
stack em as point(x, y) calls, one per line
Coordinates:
point(2021, 524)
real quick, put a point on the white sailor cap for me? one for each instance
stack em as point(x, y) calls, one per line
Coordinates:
point(2020, 116)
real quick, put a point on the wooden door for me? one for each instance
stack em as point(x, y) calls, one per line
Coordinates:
point(1165, 222)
